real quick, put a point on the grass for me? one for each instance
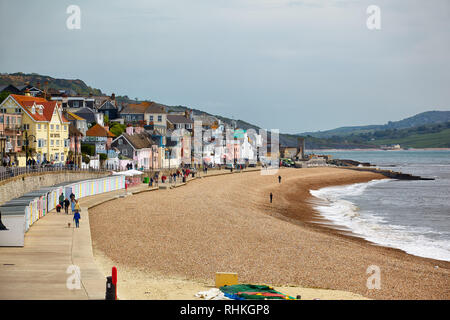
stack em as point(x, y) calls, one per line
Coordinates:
point(428, 140)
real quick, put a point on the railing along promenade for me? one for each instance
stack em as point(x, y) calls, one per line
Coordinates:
point(11, 172)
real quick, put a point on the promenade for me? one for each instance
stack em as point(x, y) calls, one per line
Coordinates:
point(41, 269)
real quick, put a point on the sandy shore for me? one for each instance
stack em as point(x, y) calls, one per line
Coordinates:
point(168, 244)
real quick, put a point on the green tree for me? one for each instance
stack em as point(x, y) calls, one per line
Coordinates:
point(88, 149)
point(4, 95)
point(117, 129)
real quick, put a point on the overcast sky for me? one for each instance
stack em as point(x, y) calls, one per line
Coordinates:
point(288, 64)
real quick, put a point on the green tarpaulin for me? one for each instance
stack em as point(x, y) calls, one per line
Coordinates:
point(253, 292)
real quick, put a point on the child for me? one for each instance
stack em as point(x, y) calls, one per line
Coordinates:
point(77, 218)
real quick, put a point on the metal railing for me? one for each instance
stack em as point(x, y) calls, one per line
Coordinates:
point(11, 172)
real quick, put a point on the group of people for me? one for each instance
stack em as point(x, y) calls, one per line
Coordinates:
point(65, 203)
point(183, 174)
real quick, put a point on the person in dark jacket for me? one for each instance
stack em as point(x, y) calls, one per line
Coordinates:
point(66, 205)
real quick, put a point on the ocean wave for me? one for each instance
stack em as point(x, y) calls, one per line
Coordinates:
point(370, 226)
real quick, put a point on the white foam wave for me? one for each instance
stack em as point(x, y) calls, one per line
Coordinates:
point(374, 228)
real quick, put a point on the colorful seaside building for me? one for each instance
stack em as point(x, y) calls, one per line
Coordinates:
point(43, 126)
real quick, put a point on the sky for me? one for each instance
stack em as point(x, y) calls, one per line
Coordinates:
point(291, 65)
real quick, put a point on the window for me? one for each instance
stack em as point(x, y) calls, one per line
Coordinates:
point(125, 152)
point(51, 127)
point(62, 156)
point(39, 126)
point(120, 141)
point(56, 156)
point(65, 128)
point(25, 126)
point(57, 143)
point(1, 119)
point(57, 127)
point(51, 142)
point(159, 118)
point(151, 118)
point(66, 143)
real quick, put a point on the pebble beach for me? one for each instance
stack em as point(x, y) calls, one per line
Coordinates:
point(168, 244)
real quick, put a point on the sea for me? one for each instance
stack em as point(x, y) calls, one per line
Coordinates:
point(413, 216)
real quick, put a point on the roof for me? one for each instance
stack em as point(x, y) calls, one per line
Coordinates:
point(27, 103)
point(107, 105)
point(73, 131)
point(178, 119)
point(73, 116)
point(139, 140)
point(99, 131)
point(86, 113)
point(144, 107)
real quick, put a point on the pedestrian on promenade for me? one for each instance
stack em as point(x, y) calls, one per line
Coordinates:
point(61, 199)
point(77, 206)
point(72, 204)
point(151, 182)
point(77, 218)
point(271, 196)
point(279, 179)
point(66, 206)
point(72, 196)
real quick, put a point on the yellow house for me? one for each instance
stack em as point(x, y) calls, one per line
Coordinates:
point(44, 127)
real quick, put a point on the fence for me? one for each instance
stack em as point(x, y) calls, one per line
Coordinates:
point(10, 172)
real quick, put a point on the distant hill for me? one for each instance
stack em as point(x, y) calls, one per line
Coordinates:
point(36, 80)
point(424, 118)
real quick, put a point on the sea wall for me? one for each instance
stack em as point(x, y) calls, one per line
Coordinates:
point(18, 186)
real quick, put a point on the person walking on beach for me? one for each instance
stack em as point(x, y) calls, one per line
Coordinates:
point(66, 206)
point(72, 204)
point(271, 197)
point(279, 179)
point(76, 218)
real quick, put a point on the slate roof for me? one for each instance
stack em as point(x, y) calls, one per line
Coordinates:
point(139, 140)
point(178, 119)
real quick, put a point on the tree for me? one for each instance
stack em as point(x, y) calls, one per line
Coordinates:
point(4, 95)
point(117, 129)
point(88, 149)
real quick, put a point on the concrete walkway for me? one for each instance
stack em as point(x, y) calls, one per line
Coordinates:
point(41, 269)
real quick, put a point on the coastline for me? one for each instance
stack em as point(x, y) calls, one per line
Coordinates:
point(222, 229)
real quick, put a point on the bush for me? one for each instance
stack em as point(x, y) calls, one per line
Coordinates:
point(88, 149)
point(85, 158)
point(103, 156)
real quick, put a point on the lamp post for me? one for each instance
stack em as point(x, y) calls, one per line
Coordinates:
point(26, 145)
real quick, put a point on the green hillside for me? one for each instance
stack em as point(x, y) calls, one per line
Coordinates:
point(47, 82)
point(427, 140)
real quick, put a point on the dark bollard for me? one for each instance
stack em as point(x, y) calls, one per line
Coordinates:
point(110, 289)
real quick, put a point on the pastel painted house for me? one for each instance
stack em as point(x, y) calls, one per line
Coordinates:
point(137, 147)
point(100, 137)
